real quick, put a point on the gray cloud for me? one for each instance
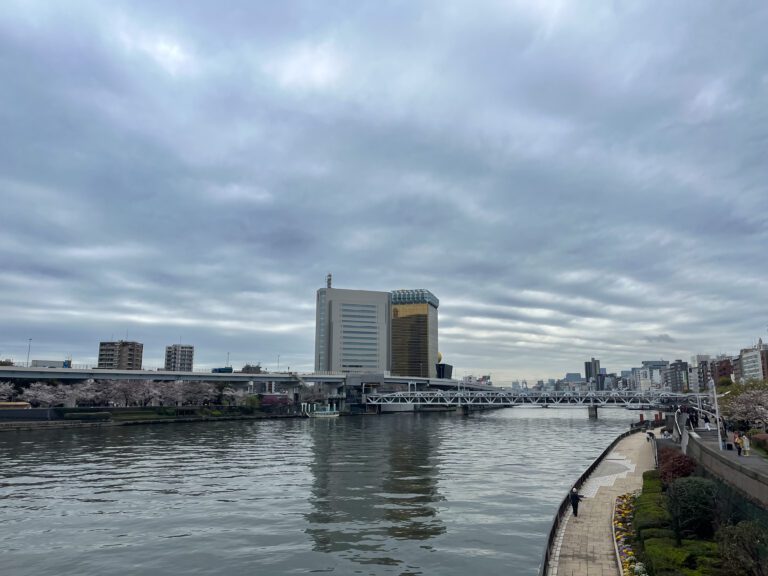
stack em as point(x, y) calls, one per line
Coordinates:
point(571, 181)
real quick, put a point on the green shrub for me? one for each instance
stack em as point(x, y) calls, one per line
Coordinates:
point(691, 558)
point(651, 482)
point(650, 512)
point(215, 413)
point(648, 533)
point(87, 415)
point(744, 549)
point(691, 504)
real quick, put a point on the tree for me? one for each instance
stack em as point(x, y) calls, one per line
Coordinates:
point(171, 393)
point(197, 393)
point(39, 394)
point(691, 503)
point(7, 391)
point(744, 549)
point(750, 406)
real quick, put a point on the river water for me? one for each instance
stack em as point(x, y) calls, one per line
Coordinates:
point(401, 494)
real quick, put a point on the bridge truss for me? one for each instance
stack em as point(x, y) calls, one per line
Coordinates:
point(612, 398)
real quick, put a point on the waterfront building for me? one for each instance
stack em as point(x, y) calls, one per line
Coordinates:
point(414, 333)
point(352, 330)
point(675, 376)
point(179, 357)
point(120, 355)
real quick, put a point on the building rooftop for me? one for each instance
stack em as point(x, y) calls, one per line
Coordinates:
point(417, 296)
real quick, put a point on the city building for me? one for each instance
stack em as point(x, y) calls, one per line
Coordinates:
point(675, 376)
point(179, 357)
point(120, 355)
point(591, 370)
point(721, 367)
point(414, 333)
point(754, 363)
point(352, 330)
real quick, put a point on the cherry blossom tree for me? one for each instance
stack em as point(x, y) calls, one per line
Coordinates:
point(7, 391)
point(40, 394)
point(750, 406)
point(171, 393)
point(197, 393)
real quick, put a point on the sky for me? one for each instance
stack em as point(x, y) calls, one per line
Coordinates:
point(570, 179)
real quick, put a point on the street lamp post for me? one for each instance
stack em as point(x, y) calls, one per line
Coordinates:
point(717, 413)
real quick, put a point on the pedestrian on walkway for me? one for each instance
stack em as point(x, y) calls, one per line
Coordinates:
point(738, 442)
point(745, 444)
point(575, 498)
point(706, 422)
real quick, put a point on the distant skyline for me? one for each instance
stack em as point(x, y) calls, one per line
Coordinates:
point(571, 180)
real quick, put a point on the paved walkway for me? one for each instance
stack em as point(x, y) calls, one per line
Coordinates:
point(755, 461)
point(584, 545)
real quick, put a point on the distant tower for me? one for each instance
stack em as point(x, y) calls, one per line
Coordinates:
point(328, 280)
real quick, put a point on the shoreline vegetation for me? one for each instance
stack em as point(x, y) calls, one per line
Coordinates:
point(684, 523)
point(103, 416)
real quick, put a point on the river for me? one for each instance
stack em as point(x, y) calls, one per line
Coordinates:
point(400, 494)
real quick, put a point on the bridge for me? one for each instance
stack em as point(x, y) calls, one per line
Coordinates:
point(510, 398)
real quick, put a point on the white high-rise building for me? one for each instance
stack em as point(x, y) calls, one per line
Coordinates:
point(179, 357)
point(352, 330)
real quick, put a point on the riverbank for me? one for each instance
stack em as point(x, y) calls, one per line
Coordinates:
point(23, 426)
point(585, 544)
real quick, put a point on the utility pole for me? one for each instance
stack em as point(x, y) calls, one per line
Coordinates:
point(29, 349)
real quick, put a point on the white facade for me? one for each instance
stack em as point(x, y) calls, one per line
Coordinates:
point(179, 358)
point(352, 331)
point(751, 365)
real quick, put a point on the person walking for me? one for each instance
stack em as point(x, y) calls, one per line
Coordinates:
point(738, 442)
point(575, 498)
point(706, 422)
point(745, 445)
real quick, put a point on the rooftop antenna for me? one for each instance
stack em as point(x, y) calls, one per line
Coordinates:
point(328, 280)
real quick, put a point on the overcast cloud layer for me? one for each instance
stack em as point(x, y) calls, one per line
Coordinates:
point(570, 180)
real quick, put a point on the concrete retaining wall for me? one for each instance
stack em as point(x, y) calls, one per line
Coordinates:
point(753, 484)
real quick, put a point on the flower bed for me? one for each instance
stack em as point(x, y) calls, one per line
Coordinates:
point(624, 535)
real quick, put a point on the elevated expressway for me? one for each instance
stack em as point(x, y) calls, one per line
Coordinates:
point(510, 398)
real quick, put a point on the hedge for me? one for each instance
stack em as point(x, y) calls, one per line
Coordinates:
point(691, 558)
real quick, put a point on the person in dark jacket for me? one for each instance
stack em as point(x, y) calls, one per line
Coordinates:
point(575, 498)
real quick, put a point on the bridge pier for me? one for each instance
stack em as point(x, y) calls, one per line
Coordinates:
point(592, 411)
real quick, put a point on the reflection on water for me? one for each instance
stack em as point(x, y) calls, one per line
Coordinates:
point(364, 498)
point(398, 494)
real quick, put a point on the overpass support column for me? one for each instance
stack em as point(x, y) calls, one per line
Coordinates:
point(592, 411)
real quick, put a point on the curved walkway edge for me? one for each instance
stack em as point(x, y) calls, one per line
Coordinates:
point(584, 546)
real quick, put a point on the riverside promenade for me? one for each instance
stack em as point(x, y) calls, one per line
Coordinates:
point(584, 545)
